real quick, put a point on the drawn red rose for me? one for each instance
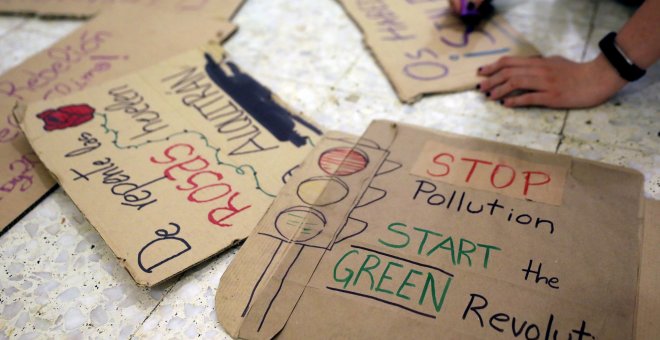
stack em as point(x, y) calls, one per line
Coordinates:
point(66, 116)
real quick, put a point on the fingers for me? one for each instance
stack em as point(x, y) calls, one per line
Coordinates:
point(508, 75)
point(511, 74)
point(506, 62)
point(529, 99)
point(520, 83)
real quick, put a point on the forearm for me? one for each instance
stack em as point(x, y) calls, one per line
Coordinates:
point(639, 38)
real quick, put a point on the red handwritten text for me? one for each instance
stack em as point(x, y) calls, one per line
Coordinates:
point(201, 184)
point(501, 175)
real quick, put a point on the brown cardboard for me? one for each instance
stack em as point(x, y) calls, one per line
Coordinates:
point(85, 8)
point(648, 323)
point(299, 273)
point(424, 48)
point(484, 170)
point(173, 163)
point(114, 43)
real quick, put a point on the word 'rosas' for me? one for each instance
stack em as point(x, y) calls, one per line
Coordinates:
point(202, 184)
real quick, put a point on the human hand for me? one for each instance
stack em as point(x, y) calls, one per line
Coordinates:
point(456, 5)
point(554, 82)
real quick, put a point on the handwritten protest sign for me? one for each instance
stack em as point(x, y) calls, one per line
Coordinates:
point(84, 8)
point(424, 48)
point(648, 324)
point(358, 245)
point(173, 163)
point(119, 41)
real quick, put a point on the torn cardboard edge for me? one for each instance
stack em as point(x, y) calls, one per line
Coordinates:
point(300, 121)
point(85, 9)
point(411, 99)
point(350, 142)
point(36, 203)
point(367, 45)
point(100, 54)
point(411, 92)
point(648, 301)
point(230, 325)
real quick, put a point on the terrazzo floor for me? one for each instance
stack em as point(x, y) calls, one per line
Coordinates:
point(58, 279)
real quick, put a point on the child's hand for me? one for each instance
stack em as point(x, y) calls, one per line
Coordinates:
point(553, 82)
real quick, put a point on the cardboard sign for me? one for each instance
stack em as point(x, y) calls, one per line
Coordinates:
point(355, 245)
point(648, 323)
point(85, 8)
point(424, 48)
point(174, 163)
point(541, 180)
point(119, 41)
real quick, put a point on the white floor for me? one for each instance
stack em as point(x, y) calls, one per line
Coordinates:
point(59, 279)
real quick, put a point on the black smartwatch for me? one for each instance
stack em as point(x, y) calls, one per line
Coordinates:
point(623, 65)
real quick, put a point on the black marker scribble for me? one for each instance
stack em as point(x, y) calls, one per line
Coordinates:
point(258, 101)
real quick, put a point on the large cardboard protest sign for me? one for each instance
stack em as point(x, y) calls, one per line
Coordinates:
point(424, 48)
point(174, 163)
point(119, 41)
point(648, 323)
point(361, 243)
point(84, 8)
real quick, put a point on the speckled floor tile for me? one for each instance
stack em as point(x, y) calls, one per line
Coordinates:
point(558, 10)
point(567, 38)
point(188, 311)
point(474, 104)
point(459, 113)
point(54, 28)
point(612, 14)
point(314, 48)
point(622, 122)
point(300, 97)
point(7, 24)
point(591, 49)
point(630, 119)
point(365, 76)
point(19, 45)
point(59, 278)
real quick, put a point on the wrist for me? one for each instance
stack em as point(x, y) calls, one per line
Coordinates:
point(607, 78)
point(621, 62)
